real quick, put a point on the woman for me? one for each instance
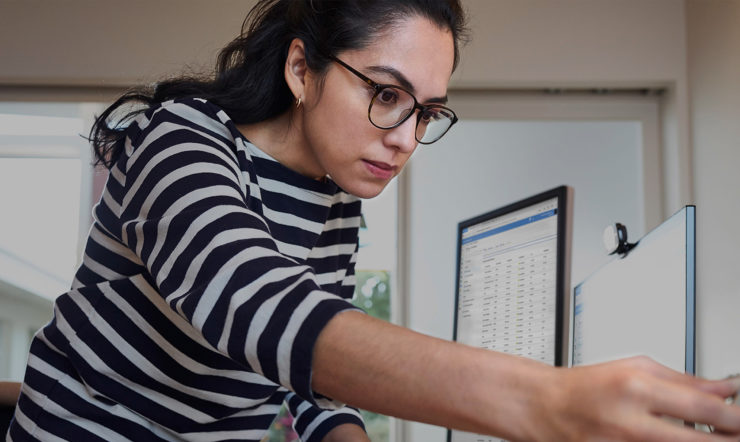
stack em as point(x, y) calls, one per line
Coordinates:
point(215, 278)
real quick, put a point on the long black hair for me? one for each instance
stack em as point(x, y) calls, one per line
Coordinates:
point(249, 83)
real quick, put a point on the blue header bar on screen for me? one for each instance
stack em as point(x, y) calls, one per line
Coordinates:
point(514, 225)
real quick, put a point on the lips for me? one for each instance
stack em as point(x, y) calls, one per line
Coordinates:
point(380, 169)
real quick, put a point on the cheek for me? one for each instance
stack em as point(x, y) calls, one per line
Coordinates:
point(341, 133)
point(343, 109)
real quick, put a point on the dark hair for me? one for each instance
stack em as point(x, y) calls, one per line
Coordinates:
point(249, 83)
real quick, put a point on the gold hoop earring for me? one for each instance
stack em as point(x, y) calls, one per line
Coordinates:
point(298, 103)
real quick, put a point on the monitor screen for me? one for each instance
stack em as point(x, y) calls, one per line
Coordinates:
point(642, 303)
point(513, 277)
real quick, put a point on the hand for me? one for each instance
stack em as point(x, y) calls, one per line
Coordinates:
point(346, 433)
point(628, 400)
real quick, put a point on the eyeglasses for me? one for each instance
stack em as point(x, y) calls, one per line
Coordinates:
point(391, 105)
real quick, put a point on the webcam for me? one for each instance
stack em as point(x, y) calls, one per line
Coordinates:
point(615, 239)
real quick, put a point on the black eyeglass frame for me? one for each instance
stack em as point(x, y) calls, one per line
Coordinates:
point(377, 87)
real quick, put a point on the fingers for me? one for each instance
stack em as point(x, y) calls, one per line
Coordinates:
point(683, 401)
point(662, 430)
point(722, 388)
point(735, 382)
point(685, 397)
point(635, 393)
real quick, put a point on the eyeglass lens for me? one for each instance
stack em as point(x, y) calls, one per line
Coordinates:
point(392, 105)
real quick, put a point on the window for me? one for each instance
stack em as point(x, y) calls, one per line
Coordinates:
point(46, 199)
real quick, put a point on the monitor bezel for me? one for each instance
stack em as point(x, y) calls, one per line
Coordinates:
point(564, 195)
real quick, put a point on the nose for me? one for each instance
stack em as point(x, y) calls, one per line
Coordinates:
point(403, 137)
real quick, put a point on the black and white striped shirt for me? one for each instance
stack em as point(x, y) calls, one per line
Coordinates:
point(208, 274)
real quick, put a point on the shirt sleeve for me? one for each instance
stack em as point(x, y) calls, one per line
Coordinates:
point(184, 213)
point(312, 423)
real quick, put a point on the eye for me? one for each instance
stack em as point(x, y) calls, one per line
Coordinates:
point(431, 114)
point(387, 96)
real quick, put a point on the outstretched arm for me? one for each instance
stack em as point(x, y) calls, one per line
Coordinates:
point(391, 370)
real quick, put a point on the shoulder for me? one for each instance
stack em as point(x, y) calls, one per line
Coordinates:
point(185, 121)
point(178, 132)
point(185, 114)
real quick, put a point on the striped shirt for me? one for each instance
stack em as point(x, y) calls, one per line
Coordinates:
point(209, 271)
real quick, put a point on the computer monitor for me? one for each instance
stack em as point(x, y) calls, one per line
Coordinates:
point(642, 303)
point(513, 281)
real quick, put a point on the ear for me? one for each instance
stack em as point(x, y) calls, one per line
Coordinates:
point(296, 68)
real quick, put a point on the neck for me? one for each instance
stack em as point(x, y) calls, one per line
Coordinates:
point(283, 138)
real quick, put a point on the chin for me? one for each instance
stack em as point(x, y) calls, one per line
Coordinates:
point(364, 190)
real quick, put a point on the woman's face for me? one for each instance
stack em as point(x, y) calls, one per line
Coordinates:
point(361, 158)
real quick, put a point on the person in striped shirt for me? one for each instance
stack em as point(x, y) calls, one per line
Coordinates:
point(215, 279)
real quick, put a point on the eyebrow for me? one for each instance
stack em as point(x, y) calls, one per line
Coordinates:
point(404, 82)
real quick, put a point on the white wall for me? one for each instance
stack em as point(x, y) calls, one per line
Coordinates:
point(89, 42)
point(714, 73)
point(574, 42)
point(589, 43)
point(110, 43)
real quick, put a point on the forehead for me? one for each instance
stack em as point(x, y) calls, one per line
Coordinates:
point(417, 48)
